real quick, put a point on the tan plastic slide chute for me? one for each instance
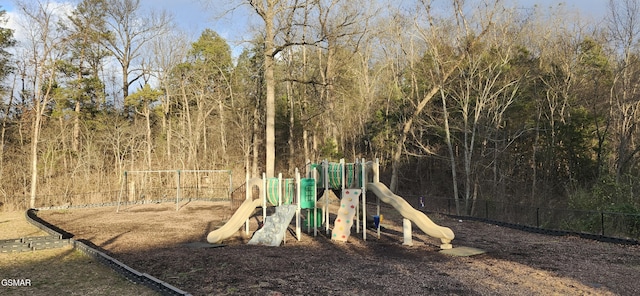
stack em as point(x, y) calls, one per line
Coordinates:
point(407, 211)
point(239, 217)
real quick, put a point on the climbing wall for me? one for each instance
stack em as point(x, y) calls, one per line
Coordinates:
point(274, 229)
point(344, 220)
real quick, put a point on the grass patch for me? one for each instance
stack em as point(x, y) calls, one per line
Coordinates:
point(14, 225)
point(63, 271)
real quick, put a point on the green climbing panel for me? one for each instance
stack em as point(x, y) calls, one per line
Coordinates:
point(307, 193)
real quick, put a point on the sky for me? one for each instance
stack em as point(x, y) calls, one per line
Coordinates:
point(194, 16)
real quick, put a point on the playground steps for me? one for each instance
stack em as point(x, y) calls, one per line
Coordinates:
point(273, 231)
point(35, 243)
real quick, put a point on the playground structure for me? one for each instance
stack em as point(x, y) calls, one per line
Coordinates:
point(300, 196)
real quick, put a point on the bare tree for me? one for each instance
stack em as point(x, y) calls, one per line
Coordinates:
point(481, 95)
point(342, 25)
point(167, 53)
point(444, 64)
point(142, 102)
point(130, 30)
point(6, 41)
point(624, 27)
point(280, 21)
point(43, 45)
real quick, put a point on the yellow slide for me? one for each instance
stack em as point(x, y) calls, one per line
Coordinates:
point(240, 216)
point(419, 218)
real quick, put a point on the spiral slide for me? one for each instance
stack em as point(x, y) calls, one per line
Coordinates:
point(406, 210)
point(240, 216)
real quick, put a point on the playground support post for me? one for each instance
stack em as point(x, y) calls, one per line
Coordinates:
point(406, 231)
point(355, 181)
point(298, 182)
point(376, 178)
point(363, 184)
point(263, 195)
point(325, 168)
point(280, 194)
point(247, 195)
point(342, 179)
point(314, 174)
point(343, 169)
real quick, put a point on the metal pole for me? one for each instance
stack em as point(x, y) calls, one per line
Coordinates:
point(486, 209)
point(122, 187)
point(325, 165)
point(297, 201)
point(354, 179)
point(177, 189)
point(230, 184)
point(264, 197)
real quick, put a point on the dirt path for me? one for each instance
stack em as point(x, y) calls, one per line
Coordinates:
point(155, 239)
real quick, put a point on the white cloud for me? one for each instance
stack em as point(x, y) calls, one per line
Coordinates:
point(24, 28)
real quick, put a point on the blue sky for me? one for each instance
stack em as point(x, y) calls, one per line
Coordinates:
point(193, 16)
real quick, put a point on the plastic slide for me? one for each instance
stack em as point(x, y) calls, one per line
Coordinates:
point(406, 210)
point(344, 219)
point(275, 226)
point(240, 216)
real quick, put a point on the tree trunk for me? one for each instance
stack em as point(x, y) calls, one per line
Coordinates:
point(35, 136)
point(147, 117)
point(452, 159)
point(4, 131)
point(255, 143)
point(270, 103)
point(75, 142)
point(292, 151)
point(39, 109)
point(406, 128)
point(223, 134)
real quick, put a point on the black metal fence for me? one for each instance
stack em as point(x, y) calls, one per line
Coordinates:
point(599, 223)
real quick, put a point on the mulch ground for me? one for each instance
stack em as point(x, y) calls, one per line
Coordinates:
point(159, 240)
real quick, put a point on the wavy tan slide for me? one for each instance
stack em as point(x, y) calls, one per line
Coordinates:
point(421, 220)
point(240, 216)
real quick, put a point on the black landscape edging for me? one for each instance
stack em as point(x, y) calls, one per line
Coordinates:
point(14, 246)
point(32, 217)
point(94, 252)
point(591, 236)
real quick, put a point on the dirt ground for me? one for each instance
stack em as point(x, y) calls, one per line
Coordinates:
point(157, 239)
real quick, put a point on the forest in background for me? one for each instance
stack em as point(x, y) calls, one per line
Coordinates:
point(463, 99)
